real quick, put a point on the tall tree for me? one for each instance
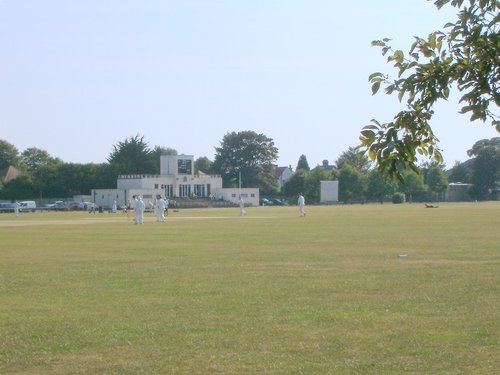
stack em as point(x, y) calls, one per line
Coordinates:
point(379, 186)
point(459, 172)
point(20, 188)
point(351, 183)
point(295, 185)
point(132, 156)
point(251, 154)
point(34, 158)
point(465, 56)
point(354, 157)
point(437, 180)
point(413, 185)
point(203, 164)
point(302, 163)
point(9, 155)
point(485, 169)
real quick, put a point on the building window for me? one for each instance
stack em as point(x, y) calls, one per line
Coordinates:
point(169, 190)
point(199, 190)
point(184, 191)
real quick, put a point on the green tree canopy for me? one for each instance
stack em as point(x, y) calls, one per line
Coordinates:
point(437, 180)
point(302, 163)
point(251, 154)
point(9, 155)
point(413, 184)
point(203, 164)
point(295, 185)
point(354, 157)
point(465, 56)
point(485, 168)
point(351, 183)
point(34, 158)
point(20, 188)
point(133, 156)
point(379, 186)
point(459, 172)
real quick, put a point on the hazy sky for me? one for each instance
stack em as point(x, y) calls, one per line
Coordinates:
point(77, 77)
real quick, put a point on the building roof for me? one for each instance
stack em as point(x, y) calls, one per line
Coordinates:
point(280, 170)
point(9, 174)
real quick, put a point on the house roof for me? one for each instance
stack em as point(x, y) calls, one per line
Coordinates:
point(280, 170)
point(9, 174)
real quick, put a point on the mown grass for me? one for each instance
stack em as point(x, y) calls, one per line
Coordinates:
point(209, 292)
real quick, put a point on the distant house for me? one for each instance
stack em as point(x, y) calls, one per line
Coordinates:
point(9, 174)
point(283, 174)
point(325, 164)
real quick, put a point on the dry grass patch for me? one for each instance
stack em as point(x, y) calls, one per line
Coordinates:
point(210, 292)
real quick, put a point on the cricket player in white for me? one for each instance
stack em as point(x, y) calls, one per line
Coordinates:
point(138, 209)
point(161, 206)
point(302, 204)
point(242, 207)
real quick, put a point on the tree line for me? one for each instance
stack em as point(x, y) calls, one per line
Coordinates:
point(249, 158)
point(463, 55)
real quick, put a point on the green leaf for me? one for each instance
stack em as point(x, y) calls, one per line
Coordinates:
point(378, 43)
point(372, 154)
point(398, 56)
point(375, 87)
point(369, 134)
point(375, 75)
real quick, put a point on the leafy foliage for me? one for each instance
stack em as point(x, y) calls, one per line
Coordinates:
point(34, 158)
point(466, 56)
point(9, 155)
point(485, 171)
point(355, 158)
point(459, 172)
point(436, 180)
point(379, 186)
point(203, 164)
point(251, 154)
point(295, 185)
point(20, 188)
point(302, 163)
point(351, 183)
point(413, 184)
point(133, 156)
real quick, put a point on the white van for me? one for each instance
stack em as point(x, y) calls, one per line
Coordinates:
point(27, 206)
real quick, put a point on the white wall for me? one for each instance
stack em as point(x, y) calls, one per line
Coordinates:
point(251, 196)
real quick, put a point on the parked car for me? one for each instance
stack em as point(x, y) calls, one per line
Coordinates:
point(27, 206)
point(52, 206)
point(6, 207)
point(278, 202)
point(265, 202)
point(75, 206)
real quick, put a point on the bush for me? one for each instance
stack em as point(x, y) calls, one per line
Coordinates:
point(398, 198)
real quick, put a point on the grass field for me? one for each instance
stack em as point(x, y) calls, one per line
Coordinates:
point(209, 292)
